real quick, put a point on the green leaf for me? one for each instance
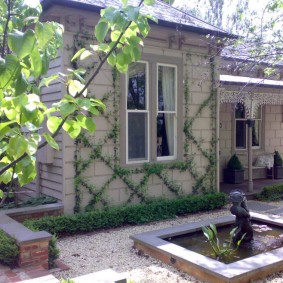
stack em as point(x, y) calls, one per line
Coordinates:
point(3, 147)
point(1, 194)
point(32, 147)
point(149, 2)
point(75, 87)
point(78, 54)
point(5, 124)
point(47, 81)
point(122, 68)
point(67, 109)
point(26, 170)
point(112, 59)
point(51, 141)
point(36, 63)
point(17, 146)
point(8, 70)
point(137, 53)
point(6, 177)
point(21, 85)
point(85, 55)
point(213, 228)
point(44, 33)
point(86, 123)
point(72, 128)
point(132, 13)
point(101, 30)
point(53, 123)
point(134, 40)
point(22, 44)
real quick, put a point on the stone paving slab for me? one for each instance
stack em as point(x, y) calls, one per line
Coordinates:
point(278, 211)
point(259, 206)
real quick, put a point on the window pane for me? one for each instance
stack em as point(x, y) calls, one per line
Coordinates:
point(137, 136)
point(240, 111)
point(166, 88)
point(258, 113)
point(256, 133)
point(137, 86)
point(240, 134)
point(165, 134)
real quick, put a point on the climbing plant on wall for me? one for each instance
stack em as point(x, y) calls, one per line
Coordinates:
point(204, 181)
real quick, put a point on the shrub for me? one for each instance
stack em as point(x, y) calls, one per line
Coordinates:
point(8, 249)
point(131, 214)
point(53, 252)
point(234, 163)
point(277, 159)
point(271, 193)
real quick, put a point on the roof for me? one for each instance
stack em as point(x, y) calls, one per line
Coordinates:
point(227, 79)
point(167, 15)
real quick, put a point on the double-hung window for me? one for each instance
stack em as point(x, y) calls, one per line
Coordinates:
point(241, 129)
point(137, 113)
point(151, 112)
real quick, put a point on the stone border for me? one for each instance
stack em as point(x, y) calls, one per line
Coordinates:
point(30, 212)
point(205, 268)
point(33, 245)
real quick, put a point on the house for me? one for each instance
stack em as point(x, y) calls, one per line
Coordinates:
point(168, 128)
point(248, 93)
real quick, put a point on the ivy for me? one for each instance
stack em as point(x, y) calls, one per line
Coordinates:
point(138, 189)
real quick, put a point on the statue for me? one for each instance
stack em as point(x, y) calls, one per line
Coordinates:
point(243, 222)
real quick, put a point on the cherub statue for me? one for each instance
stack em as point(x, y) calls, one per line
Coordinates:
point(243, 222)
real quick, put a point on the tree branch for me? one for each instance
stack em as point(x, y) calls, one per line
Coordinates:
point(14, 162)
point(5, 33)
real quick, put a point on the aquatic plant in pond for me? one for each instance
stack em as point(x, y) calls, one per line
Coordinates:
point(221, 249)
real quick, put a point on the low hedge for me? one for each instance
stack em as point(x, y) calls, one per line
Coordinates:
point(9, 250)
point(271, 193)
point(154, 210)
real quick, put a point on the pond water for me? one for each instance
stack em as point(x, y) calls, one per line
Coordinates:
point(266, 237)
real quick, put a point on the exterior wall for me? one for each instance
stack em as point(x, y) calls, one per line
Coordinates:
point(49, 168)
point(193, 53)
point(50, 160)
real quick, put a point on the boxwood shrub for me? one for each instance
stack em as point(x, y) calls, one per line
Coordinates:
point(9, 250)
point(153, 210)
point(271, 193)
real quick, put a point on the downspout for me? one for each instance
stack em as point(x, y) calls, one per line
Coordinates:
point(37, 181)
point(217, 146)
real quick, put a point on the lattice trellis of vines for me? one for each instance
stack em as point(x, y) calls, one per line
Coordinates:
point(99, 194)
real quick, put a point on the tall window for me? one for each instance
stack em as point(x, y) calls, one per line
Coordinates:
point(241, 128)
point(166, 111)
point(137, 112)
point(151, 112)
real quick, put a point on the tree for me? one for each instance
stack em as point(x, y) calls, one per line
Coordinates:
point(26, 48)
point(259, 27)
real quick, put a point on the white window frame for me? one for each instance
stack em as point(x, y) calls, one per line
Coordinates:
point(174, 156)
point(139, 111)
point(246, 128)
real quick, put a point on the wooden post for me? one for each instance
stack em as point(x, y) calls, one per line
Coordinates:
point(250, 124)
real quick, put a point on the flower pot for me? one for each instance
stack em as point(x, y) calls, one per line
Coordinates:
point(233, 176)
point(278, 172)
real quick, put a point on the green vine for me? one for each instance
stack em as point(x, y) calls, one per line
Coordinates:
point(139, 188)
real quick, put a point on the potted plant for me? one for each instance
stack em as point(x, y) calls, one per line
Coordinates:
point(234, 172)
point(278, 166)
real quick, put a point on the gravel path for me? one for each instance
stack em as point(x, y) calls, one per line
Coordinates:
point(113, 249)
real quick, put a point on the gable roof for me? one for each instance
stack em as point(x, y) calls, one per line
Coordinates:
point(167, 15)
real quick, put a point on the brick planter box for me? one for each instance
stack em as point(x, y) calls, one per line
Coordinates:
point(33, 245)
point(32, 212)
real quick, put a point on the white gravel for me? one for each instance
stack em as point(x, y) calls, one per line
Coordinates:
point(113, 249)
